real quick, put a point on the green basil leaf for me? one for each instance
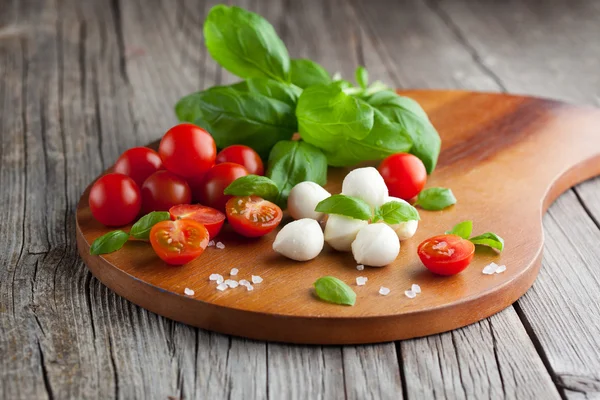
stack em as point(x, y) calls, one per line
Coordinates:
point(348, 206)
point(253, 185)
point(435, 199)
point(462, 229)
point(362, 77)
point(395, 212)
point(333, 290)
point(292, 162)
point(234, 116)
point(245, 44)
point(281, 91)
point(141, 229)
point(112, 241)
point(305, 73)
point(489, 239)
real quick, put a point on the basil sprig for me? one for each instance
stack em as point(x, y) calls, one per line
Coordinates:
point(435, 199)
point(488, 239)
point(253, 185)
point(107, 243)
point(333, 290)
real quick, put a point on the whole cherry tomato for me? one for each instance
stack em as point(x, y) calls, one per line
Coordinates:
point(210, 192)
point(187, 150)
point(163, 190)
point(209, 217)
point(115, 200)
point(178, 242)
point(244, 156)
point(446, 254)
point(404, 175)
point(138, 163)
point(252, 216)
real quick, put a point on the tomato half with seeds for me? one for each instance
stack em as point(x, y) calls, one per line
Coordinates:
point(178, 242)
point(446, 254)
point(252, 216)
point(209, 217)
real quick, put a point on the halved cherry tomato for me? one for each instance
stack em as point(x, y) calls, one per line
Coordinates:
point(138, 163)
point(209, 217)
point(252, 216)
point(404, 175)
point(178, 242)
point(216, 180)
point(163, 190)
point(115, 200)
point(243, 155)
point(446, 254)
point(187, 150)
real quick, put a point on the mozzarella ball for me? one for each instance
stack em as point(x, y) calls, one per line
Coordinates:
point(366, 184)
point(404, 230)
point(303, 199)
point(376, 245)
point(300, 240)
point(341, 231)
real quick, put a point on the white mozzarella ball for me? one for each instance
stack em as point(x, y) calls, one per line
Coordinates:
point(300, 240)
point(341, 231)
point(303, 199)
point(404, 230)
point(376, 245)
point(366, 184)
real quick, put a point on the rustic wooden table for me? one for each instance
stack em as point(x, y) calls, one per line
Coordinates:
point(81, 81)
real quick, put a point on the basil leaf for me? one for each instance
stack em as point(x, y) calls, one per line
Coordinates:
point(112, 241)
point(292, 162)
point(362, 77)
point(253, 185)
point(395, 212)
point(235, 116)
point(435, 199)
point(245, 44)
point(462, 229)
point(348, 206)
point(141, 229)
point(489, 239)
point(273, 89)
point(305, 73)
point(333, 290)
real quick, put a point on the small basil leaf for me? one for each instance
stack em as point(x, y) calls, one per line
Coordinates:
point(112, 241)
point(362, 77)
point(435, 199)
point(292, 162)
point(333, 290)
point(347, 206)
point(141, 229)
point(305, 73)
point(395, 212)
point(462, 229)
point(253, 185)
point(489, 239)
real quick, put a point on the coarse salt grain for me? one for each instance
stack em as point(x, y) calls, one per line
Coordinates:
point(360, 267)
point(220, 245)
point(439, 246)
point(410, 294)
point(256, 279)
point(211, 243)
point(188, 291)
point(501, 269)
point(220, 280)
point(415, 288)
point(361, 280)
point(244, 282)
point(234, 271)
point(222, 286)
point(215, 277)
point(249, 287)
point(490, 269)
point(384, 291)
point(231, 283)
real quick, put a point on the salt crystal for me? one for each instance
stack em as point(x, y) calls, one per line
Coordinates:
point(415, 288)
point(501, 269)
point(384, 291)
point(244, 282)
point(220, 245)
point(231, 283)
point(215, 277)
point(490, 269)
point(233, 272)
point(361, 280)
point(256, 279)
point(410, 294)
point(211, 243)
point(188, 292)
point(360, 267)
point(220, 280)
point(439, 246)
point(249, 287)
point(222, 286)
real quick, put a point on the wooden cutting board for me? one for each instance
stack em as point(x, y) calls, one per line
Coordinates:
point(506, 159)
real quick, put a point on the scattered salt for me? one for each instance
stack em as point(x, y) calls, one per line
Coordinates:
point(188, 292)
point(220, 280)
point(222, 286)
point(231, 283)
point(360, 267)
point(249, 287)
point(410, 294)
point(220, 245)
point(415, 288)
point(384, 291)
point(233, 272)
point(490, 269)
point(244, 282)
point(501, 269)
point(256, 279)
point(361, 280)
point(211, 243)
point(439, 246)
point(215, 277)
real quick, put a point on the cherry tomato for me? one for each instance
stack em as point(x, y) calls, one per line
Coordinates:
point(187, 150)
point(178, 242)
point(163, 190)
point(138, 163)
point(210, 192)
point(446, 254)
point(209, 217)
point(252, 216)
point(115, 200)
point(404, 174)
point(244, 156)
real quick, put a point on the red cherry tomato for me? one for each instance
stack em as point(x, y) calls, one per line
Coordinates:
point(446, 254)
point(187, 150)
point(209, 217)
point(115, 200)
point(252, 216)
point(163, 190)
point(404, 175)
point(210, 192)
point(138, 163)
point(244, 156)
point(178, 242)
